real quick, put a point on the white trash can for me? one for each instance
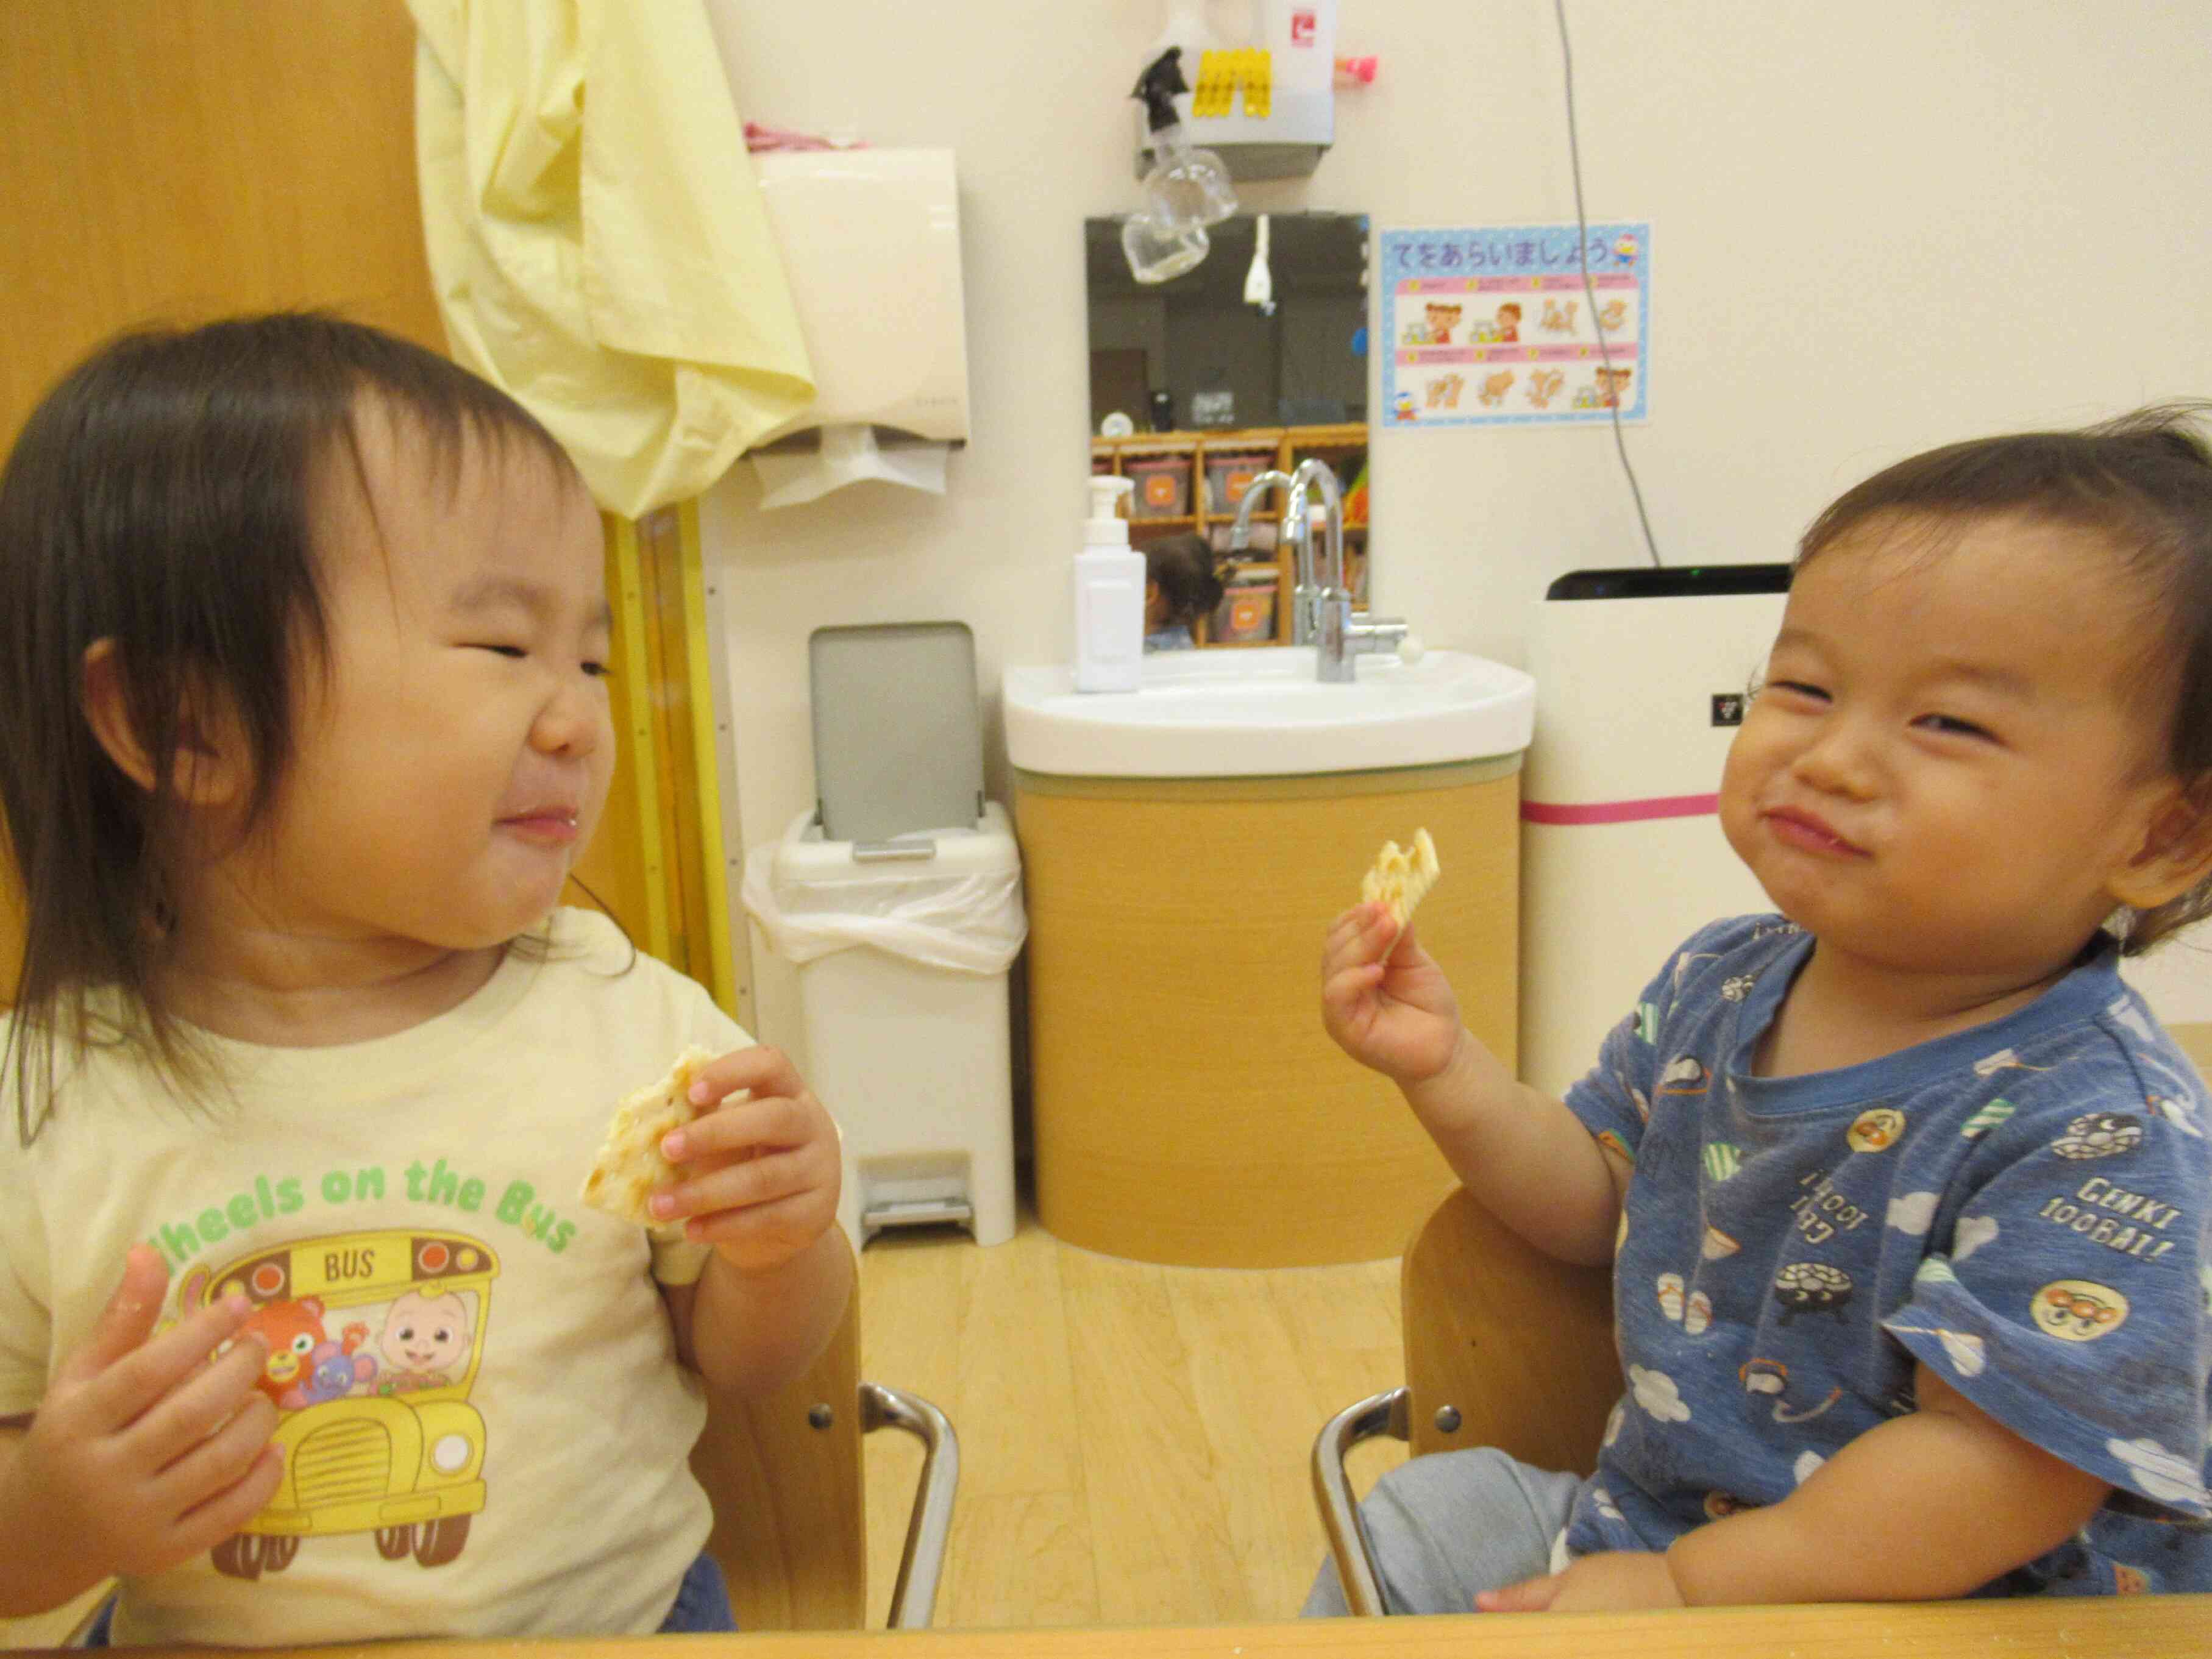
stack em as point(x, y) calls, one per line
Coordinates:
point(903, 948)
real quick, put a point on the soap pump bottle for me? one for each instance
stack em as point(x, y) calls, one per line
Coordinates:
point(1109, 595)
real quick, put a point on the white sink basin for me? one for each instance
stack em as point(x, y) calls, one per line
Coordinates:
point(1263, 712)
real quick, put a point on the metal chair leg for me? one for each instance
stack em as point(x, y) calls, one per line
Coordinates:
point(914, 1598)
point(1387, 1414)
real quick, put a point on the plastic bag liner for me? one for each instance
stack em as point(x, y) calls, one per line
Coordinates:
point(965, 921)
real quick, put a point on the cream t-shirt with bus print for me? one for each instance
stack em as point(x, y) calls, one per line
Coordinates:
point(486, 1427)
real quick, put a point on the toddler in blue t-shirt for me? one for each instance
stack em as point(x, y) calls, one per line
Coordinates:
point(1906, 1193)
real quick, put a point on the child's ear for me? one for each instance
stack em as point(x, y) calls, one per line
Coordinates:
point(210, 764)
point(2176, 852)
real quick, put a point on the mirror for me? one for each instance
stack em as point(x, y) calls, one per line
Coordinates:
point(1195, 392)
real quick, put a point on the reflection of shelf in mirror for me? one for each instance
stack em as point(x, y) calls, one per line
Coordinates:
point(1194, 458)
point(1350, 435)
point(1257, 437)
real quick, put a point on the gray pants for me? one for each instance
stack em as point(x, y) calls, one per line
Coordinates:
point(1445, 1526)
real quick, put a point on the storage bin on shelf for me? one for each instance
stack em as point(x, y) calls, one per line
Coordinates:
point(1230, 473)
point(1246, 615)
point(1162, 485)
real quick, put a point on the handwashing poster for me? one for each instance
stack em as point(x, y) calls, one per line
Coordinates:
point(1496, 326)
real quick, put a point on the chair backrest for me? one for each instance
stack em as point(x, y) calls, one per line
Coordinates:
point(784, 1476)
point(1518, 1346)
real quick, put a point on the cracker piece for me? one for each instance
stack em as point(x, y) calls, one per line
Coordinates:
point(629, 1168)
point(1401, 878)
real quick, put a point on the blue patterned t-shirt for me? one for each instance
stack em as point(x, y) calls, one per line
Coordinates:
point(2022, 1206)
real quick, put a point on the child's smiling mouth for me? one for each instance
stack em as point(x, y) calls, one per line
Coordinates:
point(545, 826)
point(1794, 826)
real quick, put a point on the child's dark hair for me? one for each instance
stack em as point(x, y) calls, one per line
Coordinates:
point(1183, 567)
point(162, 496)
point(2142, 483)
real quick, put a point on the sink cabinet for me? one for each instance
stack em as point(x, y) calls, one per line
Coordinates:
point(1189, 1107)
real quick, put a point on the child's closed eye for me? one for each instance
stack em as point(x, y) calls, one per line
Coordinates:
point(591, 666)
point(1951, 726)
point(1796, 689)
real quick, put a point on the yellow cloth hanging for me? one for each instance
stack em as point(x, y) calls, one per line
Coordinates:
point(596, 237)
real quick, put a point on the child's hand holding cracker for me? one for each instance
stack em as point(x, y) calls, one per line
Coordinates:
point(1383, 999)
point(731, 1150)
point(759, 1167)
point(734, 1151)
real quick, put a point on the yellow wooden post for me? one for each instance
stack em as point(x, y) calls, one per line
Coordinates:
point(718, 970)
point(641, 867)
point(657, 861)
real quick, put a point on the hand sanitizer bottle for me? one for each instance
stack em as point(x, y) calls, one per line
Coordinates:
point(1109, 596)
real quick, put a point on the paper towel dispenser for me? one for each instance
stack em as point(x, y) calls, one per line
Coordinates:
point(870, 243)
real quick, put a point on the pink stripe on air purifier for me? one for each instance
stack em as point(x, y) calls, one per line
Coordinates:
point(1621, 811)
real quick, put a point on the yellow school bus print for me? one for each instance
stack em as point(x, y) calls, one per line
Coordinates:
point(375, 1339)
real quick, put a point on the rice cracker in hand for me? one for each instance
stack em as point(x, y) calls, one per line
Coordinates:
point(630, 1169)
point(1402, 877)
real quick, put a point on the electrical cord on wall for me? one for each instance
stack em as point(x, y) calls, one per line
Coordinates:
point(1590, 293)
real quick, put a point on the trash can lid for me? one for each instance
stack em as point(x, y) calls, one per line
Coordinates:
point(805, 857)
point(898, 729)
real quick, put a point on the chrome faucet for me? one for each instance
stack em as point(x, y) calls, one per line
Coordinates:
point(1293, 530)
point(1338, 638)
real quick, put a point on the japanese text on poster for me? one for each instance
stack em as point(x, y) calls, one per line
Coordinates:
point(1496, 326)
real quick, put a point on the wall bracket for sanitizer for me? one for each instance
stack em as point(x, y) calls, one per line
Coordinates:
point(1268, 106)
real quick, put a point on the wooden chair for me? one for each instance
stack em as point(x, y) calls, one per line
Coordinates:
point(784, 1476)
point(1504, 1346)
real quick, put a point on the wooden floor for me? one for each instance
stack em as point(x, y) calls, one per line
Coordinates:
point(1133, 1439)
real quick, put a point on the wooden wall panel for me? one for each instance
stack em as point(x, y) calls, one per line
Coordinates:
point(172, 163)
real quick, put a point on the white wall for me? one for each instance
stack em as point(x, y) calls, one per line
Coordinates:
point(1875, 226)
